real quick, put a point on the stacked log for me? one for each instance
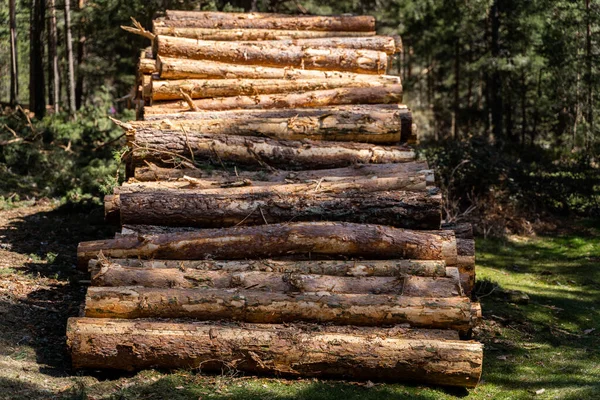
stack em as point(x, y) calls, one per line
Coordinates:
point(274, 199)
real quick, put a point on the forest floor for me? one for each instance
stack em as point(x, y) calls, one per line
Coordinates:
point(548, 348)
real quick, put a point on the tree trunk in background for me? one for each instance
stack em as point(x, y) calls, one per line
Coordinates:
point(14, 71)
point(495, 85)
point(523, 106)
point(70, 65)
point(80, 55)
point(37, 99)
point(590, 84)
point(53, 57)
point(456, 87)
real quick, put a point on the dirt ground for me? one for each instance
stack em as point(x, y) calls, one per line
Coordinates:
point(39, 290)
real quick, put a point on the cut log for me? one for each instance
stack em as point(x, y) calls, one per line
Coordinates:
point(208, 88)
point(272, 54)
point(249, 34)
point(275, 204)
point(456, 313)
point(114, 275)
point(179, 68)
point(256, 151)
point(361, 23)
point(378, 124)
point(396, 354)
point(466, 263)
point(389, 94)
point(355, 268)
point(215, 178)
point(147, 89)
point(314, 239)
point(462, 231)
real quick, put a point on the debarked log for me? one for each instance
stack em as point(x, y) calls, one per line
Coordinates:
point(396, 354)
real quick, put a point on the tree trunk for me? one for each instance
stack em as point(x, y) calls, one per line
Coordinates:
point(495, 84)
point(215, 20)
point(37, 98)
point(300, 239)
point(379, 124)
point(456, 313)
point(413, 210)
point(178, 68)
point(430, 356)
point(115, 275)
point(70, 62)
point(391, 94)
point(273, 54)
point(80, 57)
point(53, 57)
point(256, 151)
point(159, 28)
point(207, 88)
point(14, 70)
point(353, 268)
point(215, 178)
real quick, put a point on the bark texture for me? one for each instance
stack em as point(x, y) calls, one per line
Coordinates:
point(456, 313)
point(273, 54)
point(396, 354)
point(178, 68)
point(257, 151)
point(301, 239)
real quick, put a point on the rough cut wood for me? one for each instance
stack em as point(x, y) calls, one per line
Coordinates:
point(253, 151)
point(214, 178)
point(462, 231)
point(233, 207)
point(245, 34)
point(355, 268)
point(207, 88)
point(389, 94)
point(466, 263)
point(378, 124)
point(456, 313)
point(114, 275)
point(272, 54)
point(179, 68)
point(266, 241)
point(361, 23)
point(396, 354)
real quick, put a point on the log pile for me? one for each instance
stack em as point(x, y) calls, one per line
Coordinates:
point(276, 218)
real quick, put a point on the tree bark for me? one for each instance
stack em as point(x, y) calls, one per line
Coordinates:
point(14, 70)
point(378, 124)
point(466, 263)
point(53, 56)
point(37, 98)
point(147, 66)
point(412, 210)
point(361, 23)
point(353, 268)
point(394, 354)
point(391, 94)
point(272, 54)
point(80, 56)
point(313, 239)
point(114, 275)
point(70, 62)
point(256, 151)
point(159, 28)
point(179, 68)
point(213, 178)
point(456, 313)
point(207, 88)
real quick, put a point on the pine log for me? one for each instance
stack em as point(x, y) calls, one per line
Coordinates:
point(208, 88)
point(377, 354)
point(456, 313)
point(245, 34)
point(215, 178)
point(272, 54)
point(466, 263)
point(146, 65)
point(256, 151)
point(462, 231)
point(378, 124)
point(147, 88)
point(361, 23)
point(114, 275)
point(179, 68)
point(234, 207)
point(354, 268)
point(314, 239)
point(390, 94)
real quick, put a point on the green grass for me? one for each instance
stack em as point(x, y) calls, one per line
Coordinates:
point(551, 344)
